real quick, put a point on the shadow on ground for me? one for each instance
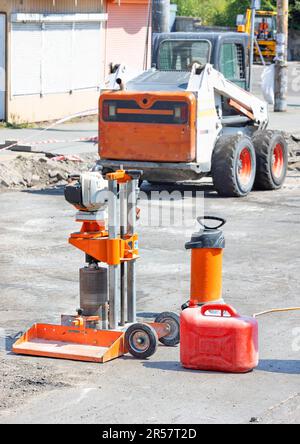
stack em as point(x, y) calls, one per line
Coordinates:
point(55, 191)
point(8, 341)
point(288, 367)
point(172, 366)
point(191, 188)
point(147, 189)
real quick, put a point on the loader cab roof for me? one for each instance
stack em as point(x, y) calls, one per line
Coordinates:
point(214, 39)
point(174, 54)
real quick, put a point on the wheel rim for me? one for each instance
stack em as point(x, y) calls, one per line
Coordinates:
point(278, 161)
point(139, 341)
point(245, 167)
point(173, 326)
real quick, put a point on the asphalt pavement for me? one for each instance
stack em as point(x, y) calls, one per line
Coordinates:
point(39, 281)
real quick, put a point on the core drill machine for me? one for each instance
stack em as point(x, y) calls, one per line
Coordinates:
point(105, 326)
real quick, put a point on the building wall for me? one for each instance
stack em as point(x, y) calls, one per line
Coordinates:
point(128, 34)
point(34, 108)
point(52, 6)
point(49, 107)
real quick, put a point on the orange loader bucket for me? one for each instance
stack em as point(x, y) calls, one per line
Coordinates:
point(56, 341)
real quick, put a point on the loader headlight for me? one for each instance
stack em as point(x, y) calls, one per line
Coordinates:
point(112, 111)
point(177, 112)
point(181, 113)
point(109, 111)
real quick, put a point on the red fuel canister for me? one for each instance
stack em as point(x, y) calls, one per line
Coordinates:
point(216, 338)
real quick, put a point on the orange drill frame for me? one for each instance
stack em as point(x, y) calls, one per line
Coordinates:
point(97, 245)
point(93, 237)
point(77, 338)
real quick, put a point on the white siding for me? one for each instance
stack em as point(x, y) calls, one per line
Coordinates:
point(26, 58)
point(57, 58)
point(49, 58)
point(87, 57)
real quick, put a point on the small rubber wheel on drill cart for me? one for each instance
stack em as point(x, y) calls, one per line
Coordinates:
point(271, 158)
point(234, 166)
point(141, 341)
point(172, 320)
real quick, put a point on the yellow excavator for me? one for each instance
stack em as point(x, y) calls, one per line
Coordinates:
point(265, 32)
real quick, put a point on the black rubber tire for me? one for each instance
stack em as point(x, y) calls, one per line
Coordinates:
point(172, 319)
point(148, 334)
point(225, 166)
point(265, 142)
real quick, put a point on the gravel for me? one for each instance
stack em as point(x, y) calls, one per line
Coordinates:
point(37, 171)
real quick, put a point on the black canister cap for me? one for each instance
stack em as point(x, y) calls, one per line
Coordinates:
point(208, 237)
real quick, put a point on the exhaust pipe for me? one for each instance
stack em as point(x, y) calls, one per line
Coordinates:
point(119, 81)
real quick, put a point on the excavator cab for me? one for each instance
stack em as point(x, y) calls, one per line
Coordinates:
point(266, 26)
point(265, 31)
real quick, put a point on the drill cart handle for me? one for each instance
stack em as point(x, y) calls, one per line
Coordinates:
point(201, 220)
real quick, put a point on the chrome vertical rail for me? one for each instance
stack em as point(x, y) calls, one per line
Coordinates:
point(123, 230)
point(131, 266)
point(114, 270)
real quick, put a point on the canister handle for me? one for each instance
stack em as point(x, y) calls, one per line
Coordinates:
point(220, 307)
point(215, 218)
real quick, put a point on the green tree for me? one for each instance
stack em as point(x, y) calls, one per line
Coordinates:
point(204, 9)
point(235, 7)
point(295, 14)
point(224, 12)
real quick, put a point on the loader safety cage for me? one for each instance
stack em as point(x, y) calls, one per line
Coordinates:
point(217, 40)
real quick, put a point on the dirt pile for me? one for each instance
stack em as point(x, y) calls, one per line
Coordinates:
point(37, 171)
point(294, 166)
point(32, 170)
point(293, 141)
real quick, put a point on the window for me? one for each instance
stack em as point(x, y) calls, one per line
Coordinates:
point(232, 63)
point(177, 55)
point(265, 27)
point(76, 49)
point(26, 57)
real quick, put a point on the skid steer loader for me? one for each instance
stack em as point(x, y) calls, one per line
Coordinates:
point(191, 116)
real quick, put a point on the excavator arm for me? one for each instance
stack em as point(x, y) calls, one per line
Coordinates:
point(208, 79)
